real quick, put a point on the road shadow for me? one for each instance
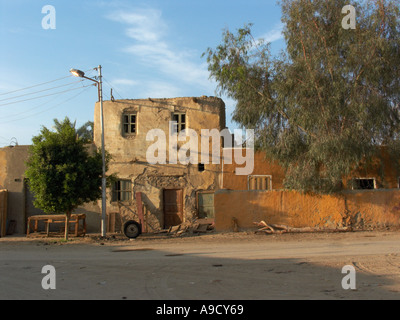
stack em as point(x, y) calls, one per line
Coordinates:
point(147, 273)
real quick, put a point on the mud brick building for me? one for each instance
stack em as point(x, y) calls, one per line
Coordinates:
point(171, 192)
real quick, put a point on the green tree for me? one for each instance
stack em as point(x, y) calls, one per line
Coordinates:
point(86, 131)
point(62, 173)
point(330, 100)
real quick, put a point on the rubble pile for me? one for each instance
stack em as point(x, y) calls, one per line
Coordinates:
point(190, 228)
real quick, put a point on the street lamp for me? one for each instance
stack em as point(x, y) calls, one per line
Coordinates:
point(81, 74)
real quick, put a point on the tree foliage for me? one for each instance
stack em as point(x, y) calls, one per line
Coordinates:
point(330, 100)
point(85, 132)
point(61, 172)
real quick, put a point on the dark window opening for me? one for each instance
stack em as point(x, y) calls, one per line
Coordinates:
point(122, 190)
point(363, 184)
point(129, 124)
point(201, 167)
point(179, 120)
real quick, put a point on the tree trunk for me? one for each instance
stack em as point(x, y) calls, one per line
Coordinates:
point(67, 218)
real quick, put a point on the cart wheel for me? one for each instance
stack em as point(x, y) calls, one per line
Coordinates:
point(132, 229)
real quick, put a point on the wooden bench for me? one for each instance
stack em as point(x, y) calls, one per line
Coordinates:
point(57, 218)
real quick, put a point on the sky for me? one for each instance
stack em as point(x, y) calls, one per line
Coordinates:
point(146, 49)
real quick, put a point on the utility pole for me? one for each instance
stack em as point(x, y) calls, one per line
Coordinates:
point(103, 180)
point(81, 74)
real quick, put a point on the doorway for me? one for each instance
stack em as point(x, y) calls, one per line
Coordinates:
point(173, 207)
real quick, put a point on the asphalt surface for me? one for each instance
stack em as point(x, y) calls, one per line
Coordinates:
point(216, 268)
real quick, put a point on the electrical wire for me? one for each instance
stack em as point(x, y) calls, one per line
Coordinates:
point(25, 111)
point(52, 107)
point(36, 85)
point(30, 109)
point(47, 95)
point(112, 87)
point(27, 94)
point(40, 84)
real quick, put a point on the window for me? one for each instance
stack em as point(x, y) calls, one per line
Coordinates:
point(122, 190)
point(129, 123)
point(201, 167)
point(179, 120)
point(259, 182)
point(363, 184)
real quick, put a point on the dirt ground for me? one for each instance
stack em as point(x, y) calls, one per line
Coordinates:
point(218, 266)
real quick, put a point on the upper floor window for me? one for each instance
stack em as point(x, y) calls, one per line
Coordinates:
point(129, 125)
point(363, 184)
point(261, 182)
point(179, 120)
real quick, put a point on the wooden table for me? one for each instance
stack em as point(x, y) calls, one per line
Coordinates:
point(57, 218)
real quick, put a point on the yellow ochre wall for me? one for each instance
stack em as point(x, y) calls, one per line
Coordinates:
point(360, 210)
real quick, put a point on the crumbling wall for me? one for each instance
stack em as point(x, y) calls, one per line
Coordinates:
point(151, 182)
point(129, 160)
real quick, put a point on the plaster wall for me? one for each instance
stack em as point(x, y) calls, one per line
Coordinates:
point(360, 210)
point(3, 212)
point(12, 169)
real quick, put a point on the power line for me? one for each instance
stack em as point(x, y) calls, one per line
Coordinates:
point(25, 111)
point(27, 94)
point(46, 95)
point(37, 85)
point(112, 87)
point(30, 109)
point(52, 107)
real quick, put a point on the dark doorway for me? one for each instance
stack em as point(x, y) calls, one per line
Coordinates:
point(173, 207)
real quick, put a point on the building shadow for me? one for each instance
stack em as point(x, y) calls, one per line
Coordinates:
point(146, 273)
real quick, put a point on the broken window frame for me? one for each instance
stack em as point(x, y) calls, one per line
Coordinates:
point(122, 191)
point(178, 124)
point(259, 177)
point(127, 125)
point(356, 185)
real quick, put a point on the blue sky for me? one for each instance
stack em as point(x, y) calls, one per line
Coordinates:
point(146, 49)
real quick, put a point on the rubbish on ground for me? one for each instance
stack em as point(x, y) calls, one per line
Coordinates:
point(279, 228)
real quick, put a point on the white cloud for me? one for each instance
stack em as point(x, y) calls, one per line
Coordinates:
point(145, 25)
point(275, 34)
point(149, 32)
point(160, 89)
point(124, 82)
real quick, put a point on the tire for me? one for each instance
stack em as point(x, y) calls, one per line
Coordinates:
point(132, 229)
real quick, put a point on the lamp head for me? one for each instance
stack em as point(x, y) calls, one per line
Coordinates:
point(77, 73)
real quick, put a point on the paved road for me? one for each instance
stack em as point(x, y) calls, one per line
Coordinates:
point(248, 269)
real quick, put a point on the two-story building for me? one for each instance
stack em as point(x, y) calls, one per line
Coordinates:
point(172, 191)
